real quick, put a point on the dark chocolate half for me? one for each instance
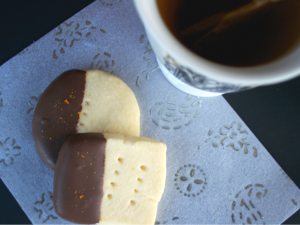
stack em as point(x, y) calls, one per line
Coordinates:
point(78, 178)
point(56, 114)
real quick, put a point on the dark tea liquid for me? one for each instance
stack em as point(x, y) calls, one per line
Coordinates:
point(263, 39)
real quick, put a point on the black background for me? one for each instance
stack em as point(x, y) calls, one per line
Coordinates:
point(272, 112)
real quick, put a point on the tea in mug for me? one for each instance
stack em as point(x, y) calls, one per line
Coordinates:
point(235, 32)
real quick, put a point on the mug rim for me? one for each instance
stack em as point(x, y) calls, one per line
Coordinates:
point(269, 73)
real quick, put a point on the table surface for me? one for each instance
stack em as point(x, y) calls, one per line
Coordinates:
point(271, 112)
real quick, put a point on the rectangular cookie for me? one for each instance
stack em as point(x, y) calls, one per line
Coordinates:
point(109, 178)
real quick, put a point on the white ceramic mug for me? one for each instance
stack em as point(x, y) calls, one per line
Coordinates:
point(200, 77)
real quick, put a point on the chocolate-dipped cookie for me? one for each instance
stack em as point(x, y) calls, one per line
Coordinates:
point(82, 101)
point(109, 178)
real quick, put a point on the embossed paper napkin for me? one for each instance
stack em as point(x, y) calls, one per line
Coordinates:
point(217, 171)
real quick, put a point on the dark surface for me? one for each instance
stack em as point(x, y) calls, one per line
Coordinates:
point(272, 113)
point(10, 211)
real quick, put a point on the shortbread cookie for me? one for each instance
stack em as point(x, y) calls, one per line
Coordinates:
point(82, 101)
point(109, 178)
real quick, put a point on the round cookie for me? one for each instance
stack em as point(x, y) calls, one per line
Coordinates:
point(82, 101)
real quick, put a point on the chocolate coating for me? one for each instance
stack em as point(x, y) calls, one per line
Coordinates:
point(56, 114)
point(78, 178)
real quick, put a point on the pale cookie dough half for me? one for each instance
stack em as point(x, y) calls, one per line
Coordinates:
point(134, 179)
point(109, 105)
